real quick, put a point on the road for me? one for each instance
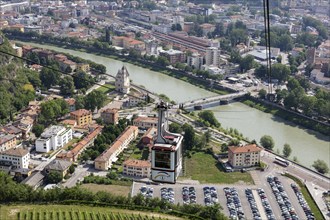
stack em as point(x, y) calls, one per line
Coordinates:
point(79, 174)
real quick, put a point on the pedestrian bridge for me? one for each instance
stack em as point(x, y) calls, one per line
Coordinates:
point(211, 101)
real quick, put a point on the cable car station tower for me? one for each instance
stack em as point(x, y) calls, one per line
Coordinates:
point(166, 153)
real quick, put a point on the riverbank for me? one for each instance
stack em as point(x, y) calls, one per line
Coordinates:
point(286, 115)
point(199, 82)
point(178, 74)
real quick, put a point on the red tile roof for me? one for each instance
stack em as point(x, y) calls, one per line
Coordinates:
point(245, 149)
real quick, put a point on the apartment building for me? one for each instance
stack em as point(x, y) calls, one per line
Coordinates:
point(53, 138)
point(7, 141)
point(245, 156)
point(145, 122)
point(137, 168)
point(174, 56)
point(82, 117)
point(212, 56)
point(110, 116)
point(105, 160)
point(88, 141)
point(16, 158)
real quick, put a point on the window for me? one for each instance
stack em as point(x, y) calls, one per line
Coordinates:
point(163, 159)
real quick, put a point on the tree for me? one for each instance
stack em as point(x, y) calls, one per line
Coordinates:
point(261, 71)
point(175, 128)
point(95, 99)
point(321, 166)
point(49, 77)
point(267, 142)
point(247, 63)
point(209, 117)
point(188, 137)
point(307, 104)
point(38, 129)
point(67, 86)
point(54, 177)
point(82, 80)
point(287, 150)
point(72, 169)
point(280, 72)
point(262, 93)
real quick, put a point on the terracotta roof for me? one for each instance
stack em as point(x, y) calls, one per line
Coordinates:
point(18, 152)
point(110, 110)
point(151, 132)
point(81, 112)
point(105, 156)
point(146, 119)
point(244, 149)
point(69, 122)
point(71, 101)
point(81, 144)
point(137, 163)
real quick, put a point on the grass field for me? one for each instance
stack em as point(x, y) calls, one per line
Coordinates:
point(113, 189)
point(105, 90)
point(73, 212)
point(204, 168)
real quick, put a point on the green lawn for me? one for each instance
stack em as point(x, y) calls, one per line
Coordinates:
point(73, 212)
point(106, 88)
point(204, 168)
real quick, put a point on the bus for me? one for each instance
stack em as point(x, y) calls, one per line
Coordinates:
point(281, 161)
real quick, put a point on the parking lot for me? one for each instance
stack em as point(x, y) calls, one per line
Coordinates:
point(237, 201)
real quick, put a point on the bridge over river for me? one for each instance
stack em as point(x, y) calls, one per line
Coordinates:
point(211, 101)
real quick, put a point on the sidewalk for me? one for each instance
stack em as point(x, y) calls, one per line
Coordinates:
point(317, 196)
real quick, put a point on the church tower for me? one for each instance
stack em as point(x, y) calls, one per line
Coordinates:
point(122, 81)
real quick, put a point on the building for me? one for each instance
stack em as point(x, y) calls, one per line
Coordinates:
point(145, 122)
point(110, 116)
point(7, 141)
point(173, 56)
point(207, 28)
point(105, 160)
point(138, 168)
point(212, 56)
point(86, 142)
point(149, 137)
point(53, 138)
point(128, 43)
point(60, 166)
point(82, 117)
point(166, 152)
point(16, 158)
point(195, 61)
point(245, 156)
point(310, 56)
point(122, 81)
point(10, 129)
point(71, 103)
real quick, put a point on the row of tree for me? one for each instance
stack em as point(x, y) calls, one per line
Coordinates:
point(109, 133)
point(268, 143)
point(12, 192)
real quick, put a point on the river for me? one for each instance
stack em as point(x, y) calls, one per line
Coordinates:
point(306, 145)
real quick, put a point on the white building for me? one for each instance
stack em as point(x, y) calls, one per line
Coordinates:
point(17, 158)
point(53, 138)
point(122, 81)
point(195, 60)
point(212, 56)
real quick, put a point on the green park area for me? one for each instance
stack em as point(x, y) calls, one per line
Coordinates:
point(106, 88)
point(73, 212)
point(206, 169)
